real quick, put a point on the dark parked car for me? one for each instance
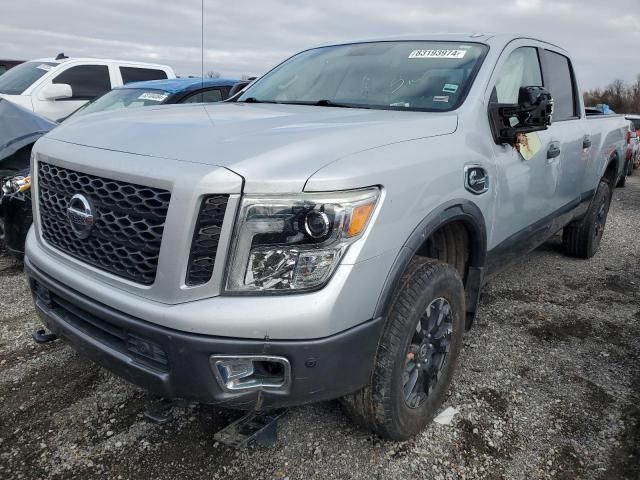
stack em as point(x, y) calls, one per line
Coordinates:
point(160, 92)
point(19, 130)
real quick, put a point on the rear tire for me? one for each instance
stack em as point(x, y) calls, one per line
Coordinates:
point(581, 239)
point(417, 353)
point(623, 180)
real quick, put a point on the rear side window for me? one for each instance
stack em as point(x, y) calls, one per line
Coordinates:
point(87, 81)
point(559, 81)
point(521, 69)
point(208, 96)
point(134, 74)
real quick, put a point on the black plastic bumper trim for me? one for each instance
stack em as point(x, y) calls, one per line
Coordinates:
point(322, 369)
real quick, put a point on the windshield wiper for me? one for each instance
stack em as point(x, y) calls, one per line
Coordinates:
point(315, 103)
point(255, 100)
point(327, 103)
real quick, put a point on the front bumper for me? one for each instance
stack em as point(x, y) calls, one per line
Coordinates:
point(176, 364)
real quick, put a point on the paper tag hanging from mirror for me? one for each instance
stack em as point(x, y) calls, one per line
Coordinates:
point(528, 145)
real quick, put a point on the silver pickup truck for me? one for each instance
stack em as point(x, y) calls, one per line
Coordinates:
point(325, 234)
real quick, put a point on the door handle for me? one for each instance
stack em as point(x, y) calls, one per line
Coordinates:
point(586, 141)
point(476, 179)
point(553, 151)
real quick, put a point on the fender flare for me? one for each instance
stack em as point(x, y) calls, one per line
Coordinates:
point(454, 210)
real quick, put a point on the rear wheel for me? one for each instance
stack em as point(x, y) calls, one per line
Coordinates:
point(582, 238)
point(623, 180)
point(417, 354)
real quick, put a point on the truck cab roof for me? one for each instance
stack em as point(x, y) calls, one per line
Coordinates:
point(492, 39)
point(61, 61)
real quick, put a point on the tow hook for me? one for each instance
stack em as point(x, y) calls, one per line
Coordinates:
point(41, 336)
point(160, 410)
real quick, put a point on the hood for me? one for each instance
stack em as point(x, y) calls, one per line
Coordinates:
point(19, 127)
point(275, 148)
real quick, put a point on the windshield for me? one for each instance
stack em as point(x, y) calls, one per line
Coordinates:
point(19, 78)
point(412, 75)
point(123, 98)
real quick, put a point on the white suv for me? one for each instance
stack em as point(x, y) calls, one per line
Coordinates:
point(56, 87)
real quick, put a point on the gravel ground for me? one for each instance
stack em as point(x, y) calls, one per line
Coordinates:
point(549, 388)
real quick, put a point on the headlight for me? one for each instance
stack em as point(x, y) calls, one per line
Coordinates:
point(295, 243)
point(16, 184)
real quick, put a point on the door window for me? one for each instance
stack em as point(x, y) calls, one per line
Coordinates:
point(521, 69)
point(561, 85)
point(135, 74)
point(87, 81)
point(208, 96)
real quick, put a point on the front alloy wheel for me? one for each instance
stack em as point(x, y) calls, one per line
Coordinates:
point(427, 352)
point(417, 353)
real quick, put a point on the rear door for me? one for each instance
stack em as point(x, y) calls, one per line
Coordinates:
point(568, 129)
point(526, 182)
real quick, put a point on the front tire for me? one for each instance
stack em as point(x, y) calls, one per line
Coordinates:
point(417, 354)
point(582, 239)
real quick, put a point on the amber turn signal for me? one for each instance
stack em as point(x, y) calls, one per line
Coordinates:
point(359, 218)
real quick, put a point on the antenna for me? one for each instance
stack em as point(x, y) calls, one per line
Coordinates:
point(202, 44)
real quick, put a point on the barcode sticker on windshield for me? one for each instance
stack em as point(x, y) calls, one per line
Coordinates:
point(154, 97)
point(434, 53)
point(44, 67)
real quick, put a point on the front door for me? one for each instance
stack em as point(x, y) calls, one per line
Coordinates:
point(87, 82)
point(527, 176)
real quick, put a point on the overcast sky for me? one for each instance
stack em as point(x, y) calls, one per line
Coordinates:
point(250, 37)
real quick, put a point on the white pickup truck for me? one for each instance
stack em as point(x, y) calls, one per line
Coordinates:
point(325, 234)
point(56, 87)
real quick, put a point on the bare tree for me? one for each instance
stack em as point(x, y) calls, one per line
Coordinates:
point(213, 74)
point(620, 97)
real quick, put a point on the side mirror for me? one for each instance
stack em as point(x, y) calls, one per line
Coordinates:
point(56, 91)
point(532, 113)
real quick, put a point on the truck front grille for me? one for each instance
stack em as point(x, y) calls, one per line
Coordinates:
point(129, 221)
point(206, 237)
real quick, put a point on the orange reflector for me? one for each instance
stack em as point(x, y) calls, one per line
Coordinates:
point(26, 184)
point(359, 219)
